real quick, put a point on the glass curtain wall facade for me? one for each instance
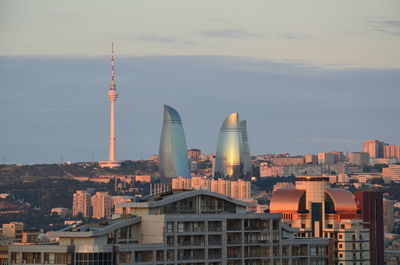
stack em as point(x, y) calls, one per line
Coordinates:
point(246, 150)
point(173, 151)
point(233, 152)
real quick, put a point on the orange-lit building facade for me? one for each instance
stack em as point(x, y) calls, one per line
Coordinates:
point(391, 151)
point(81, 203)
point(238, 189)
point(284, 161)
point(102, 203)
point(375, 148)
point(323, 212)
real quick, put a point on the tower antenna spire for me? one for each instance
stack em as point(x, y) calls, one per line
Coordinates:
point(112, 85)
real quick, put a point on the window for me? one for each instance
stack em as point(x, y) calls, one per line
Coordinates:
point(340, 236)
point(330, 226)
point(170, 241)
point(170, 254)
point(160, 255)
point(181, 227)
point(170, 227)
point(125, 257)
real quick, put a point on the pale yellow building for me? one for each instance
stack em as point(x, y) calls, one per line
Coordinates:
point(13, 231)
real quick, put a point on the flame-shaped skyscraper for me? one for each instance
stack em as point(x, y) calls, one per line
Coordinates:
point(174, 160)
point(232, 158)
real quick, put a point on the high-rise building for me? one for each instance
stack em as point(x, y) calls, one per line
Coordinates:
point(375, 148)
point(81, 203)
point(359, 158)
point(232, 158)
point(112, 97)
point(369, 203)
point(174, 160)
point(101, 203)
point(392, 151)
point(245, 156)
point(388, 216)
point(193, 227)
point(323, 212)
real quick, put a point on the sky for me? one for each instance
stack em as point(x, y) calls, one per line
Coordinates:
point(309, 76)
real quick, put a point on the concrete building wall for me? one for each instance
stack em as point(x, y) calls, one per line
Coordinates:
point(151, 229)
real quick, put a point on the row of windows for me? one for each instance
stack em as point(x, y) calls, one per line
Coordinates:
point(216, 226)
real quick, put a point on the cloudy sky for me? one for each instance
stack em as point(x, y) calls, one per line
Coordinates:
point(309, 76)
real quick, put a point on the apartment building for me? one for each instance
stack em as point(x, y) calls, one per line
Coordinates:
point(101, 203)
point(81, 203)
point(238, 189)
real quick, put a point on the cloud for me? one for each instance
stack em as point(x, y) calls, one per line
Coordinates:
point(161, 39)
point(386, 23)
point(153, 38)
point(239, 33)
point(230, 33)
point(390, 32)
point(292, 36)
point(386, 26)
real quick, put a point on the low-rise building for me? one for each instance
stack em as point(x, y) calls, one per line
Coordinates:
point(61, 211)
point(13, 231)
point(193, 227)
point(285, 161)
point(392, 172)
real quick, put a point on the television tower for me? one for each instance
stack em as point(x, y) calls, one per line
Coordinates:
point(112, 97)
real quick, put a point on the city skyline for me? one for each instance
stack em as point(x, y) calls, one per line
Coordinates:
point(308, 83)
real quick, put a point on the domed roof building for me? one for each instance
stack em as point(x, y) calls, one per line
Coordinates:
point(318, 210)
